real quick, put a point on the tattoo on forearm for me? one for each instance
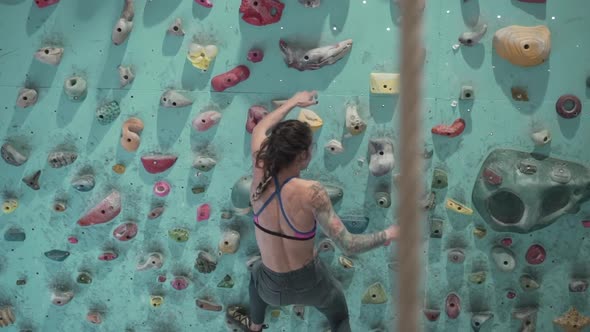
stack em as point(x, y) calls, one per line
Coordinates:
point(358, 243)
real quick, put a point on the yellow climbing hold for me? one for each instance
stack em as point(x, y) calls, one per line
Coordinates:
point(480, 232)
point(458, 207)
point(156, 300)
point(201, 56)
point(119, 168)
point(9, 205)
point(385, 83)
point(572, 321)
point(312, 119)
point(375, 294)
point(346, 262)
point(275, 313)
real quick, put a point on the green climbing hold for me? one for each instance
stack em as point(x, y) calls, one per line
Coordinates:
point(439, 179)
point(375, 294)
point(84, 278)
point(57, 255)
point(15, 234)
point(478, 277)
point(178, 234)
point(227, 282)
point(108, 112)
point(436, 228)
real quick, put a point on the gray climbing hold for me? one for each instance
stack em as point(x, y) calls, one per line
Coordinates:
point(204, 164)
point(60, 159)
point(15, 234)
point(528, 318)
point(126, 75)
point(381, 160)
point(173, 98)
point(26, 98)
point(439, 179)
point(479, 319)
point(57, 255)
point(578, 285)
point(108, 112)
point(84, 182)
point(49, 55)
point(76, 88)
point(528, 283)
point(206, 263)
point(240, 194)
point(383, 199)
point(12, 156)
point(334, 192)
point(456, 255)
point(436, 228)
point(355, 224)
point(504, 258)
point(33, 180)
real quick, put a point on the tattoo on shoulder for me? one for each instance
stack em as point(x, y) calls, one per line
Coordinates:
point(319, 197)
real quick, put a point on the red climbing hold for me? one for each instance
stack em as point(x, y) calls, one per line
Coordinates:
point(126, 231)
point(255, 55)
point(230, 78)
point(506, 242)
point(158, 163)
point(261, 12)
point(105, 211)
point(492, 177)
point(431, 314)
point(203, 212)
point(204, 3)
point(108, 256)
point(535, 255)
point(45, 3)
point(451, 131)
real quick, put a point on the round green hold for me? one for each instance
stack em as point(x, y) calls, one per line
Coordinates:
point(178, 234)
point(84, 278)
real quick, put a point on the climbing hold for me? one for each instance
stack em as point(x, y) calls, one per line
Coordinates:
point(94, 317)
point(227, 282)
point(355, 224)
point(334, 147)
point(334, 192)
point(105, 211)
point(240, 193)
point(316, 58)
point(60, 159)
point(470, 38)
point(439, 179)
point(60, 206)
point(155, 163)
point(456, 255)
point(436, 228)
point(76, 88)
point(255, 114)
point(226, 214)
point(126, 231)
point(299, 311)
point(251, 261)
point(255, 55)
point(15, 234)
point(19, 282)
point(480, 232)
point(61, 298)
point(201, 56)
point(156, 212)
point(83, 183)
point(326, 245)
point(519, 93)
point(525, 167)
point(161, 188)
point(528, 318)
point(578, 285)
point(84, 278)
point(568, 106)
point(534, 1)
point(203, 212)
point(491, 176)
point(506, 242)
point(72, 239)
point(43, 4)
point(126, 75)
point(178, 234)
point(33, 180)
point(231, 78)
point(12, 155)
point(199, 190)
point(431, 314)
point(528, 283)
point(205, 3)
point(467, 92)
point(310, 3)
point(453, 130)
point(311, 118)
point(572, 321)
point(176, 27)
point(453, 305)
point(206, 120)
point(9, 205)
point(561, 174)
point(453, 205)
point(26, 97)
point(7, 317)
point(208, 305)
point(588, 82)
point(428, 202)
point(119, 168)
point(354, 124)
point(478, 277)
point(385, 83)
point(535, 255)
point(57, 255)
point(152, 261)
point(346, 262)
point(381, 161)
point(161, 278)
point(383, 199)
point(174, 99)
point(108, 256)
point(375, 294)
point(261, 12)
point(124, 25)
point(156, 300)
point(205, 263)
point(523, 46)
point(108, 112)
point(49, 55)
point(510, 294)
point(229, 242)
point(504, 258)
point(479, 319)
point(204, 164)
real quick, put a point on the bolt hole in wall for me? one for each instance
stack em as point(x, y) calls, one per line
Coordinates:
point(526, 59)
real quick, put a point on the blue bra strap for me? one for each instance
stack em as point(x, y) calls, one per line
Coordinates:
point(283, 209)
point(265, 204)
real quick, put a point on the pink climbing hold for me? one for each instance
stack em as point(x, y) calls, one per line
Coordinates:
point(179, 283)
point(162, 278)
point(506, 242)
point(108, 256)
point(230, 78)
point(105, 211)
point(203, 212)
point(126, 231)
point(586, 223)
point(534, 1)
point(204, 3)
point(255, 55)
point(158, 163)
point(206, 120)
point(453, 306)
point(161, 188)
point(45, 3)
point(492, 177)
point(261, 12)
point(72, 240)
point(94, 317)
point(535, 255)
point(431, 314)
point(511, 294)
point(255, 114)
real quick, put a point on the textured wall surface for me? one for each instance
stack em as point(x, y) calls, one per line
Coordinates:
point(122, 294)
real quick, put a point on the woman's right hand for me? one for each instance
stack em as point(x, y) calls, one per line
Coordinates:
point(391, 233)
point(304, 98)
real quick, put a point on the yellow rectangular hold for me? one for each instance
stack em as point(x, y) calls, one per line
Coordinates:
point(385, 83)
point(458, 207)
point(311, 118)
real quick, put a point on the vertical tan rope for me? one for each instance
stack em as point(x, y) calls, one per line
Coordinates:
point(408, 212)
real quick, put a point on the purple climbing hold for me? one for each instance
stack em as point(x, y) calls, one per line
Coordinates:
point(453, 305)
point(179, 283)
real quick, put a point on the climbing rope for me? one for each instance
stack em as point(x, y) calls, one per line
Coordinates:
point(409, 214)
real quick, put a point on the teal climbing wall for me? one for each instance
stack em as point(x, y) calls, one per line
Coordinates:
point(122, 294)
